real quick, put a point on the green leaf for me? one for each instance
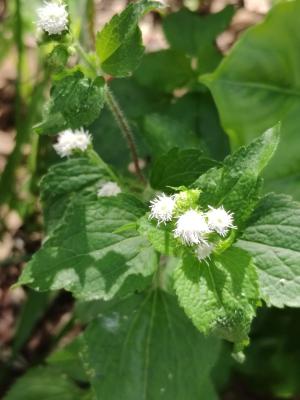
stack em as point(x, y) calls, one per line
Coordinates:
point(163, 133)
point(84, 256)
point(272, 237)
point(165, 70)
point(67, 360)
point(179, 168)
point(237, 186)
point(76, 176)
point(197, 112)
point(146, 101)
point(33, 309)
point(75, 101)
point(219, 296)
point(161, 237)
point(257, 85)
point(58, 58)
point(197, 35)
point(119, 44)
point(142, 347)
point(44, 383)
point(283, 173)
point(52, 123)
point(195, 31)
point(272, 361)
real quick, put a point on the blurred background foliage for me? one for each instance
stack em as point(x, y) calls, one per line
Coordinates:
point(168, 106)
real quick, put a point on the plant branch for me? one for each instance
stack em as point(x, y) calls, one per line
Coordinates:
point(8, 176)
point(97, 160)
point(117, 113)
point(125, 129)
point(85, 57)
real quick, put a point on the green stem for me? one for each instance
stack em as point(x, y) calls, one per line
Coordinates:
point(90, 6)
point(97, 160)
point(8, 175)
point(85, 57)
point(20, 49)
point(118, 114)
point(125, 129)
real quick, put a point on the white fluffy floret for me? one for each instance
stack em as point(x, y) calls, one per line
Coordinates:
point(162, 208)
point(109, 189)
point(69, 140)
point(204, 251)
point(52, 17)
point(191, 228)
point(219, 220)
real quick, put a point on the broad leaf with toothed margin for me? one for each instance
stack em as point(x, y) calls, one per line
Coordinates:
point(236, 185)
point(220, 295)
point(86, 256)
point(75, 101)
point(147, 345)
point(119, 44)
point(76, 176)
point(258, 84)
point(272, 237)
point(179, 168)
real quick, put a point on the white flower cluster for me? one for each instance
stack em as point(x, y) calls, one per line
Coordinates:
point(52, 17)
point(192, 227)
point(70, 141)
point(109, 189)
point(162, 208)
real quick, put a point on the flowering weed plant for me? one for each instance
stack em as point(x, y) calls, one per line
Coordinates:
point(170, 261)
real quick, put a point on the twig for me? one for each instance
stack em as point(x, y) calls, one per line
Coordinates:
point(125, 129)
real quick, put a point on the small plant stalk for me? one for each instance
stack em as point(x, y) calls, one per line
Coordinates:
point(97, 160)
point(118, 114)
point(125, 129)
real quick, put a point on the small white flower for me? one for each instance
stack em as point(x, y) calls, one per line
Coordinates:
point(69, 140)
point(220, 220)
point(162, 208)
point(204, 251)
point(52, 17)
point(109, 189)
point(191, 228)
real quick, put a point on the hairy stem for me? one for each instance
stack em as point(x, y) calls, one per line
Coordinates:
point(117, 113)
point(125, 129)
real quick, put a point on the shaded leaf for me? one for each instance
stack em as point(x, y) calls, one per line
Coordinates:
point(179, 168)
point(196, 32)
point(197, 35)
point(67, 360)
point(163, 133)
point(84, 256)
point(152, 348)
point(76, 176)
point(44, 383)
point(165, 70)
